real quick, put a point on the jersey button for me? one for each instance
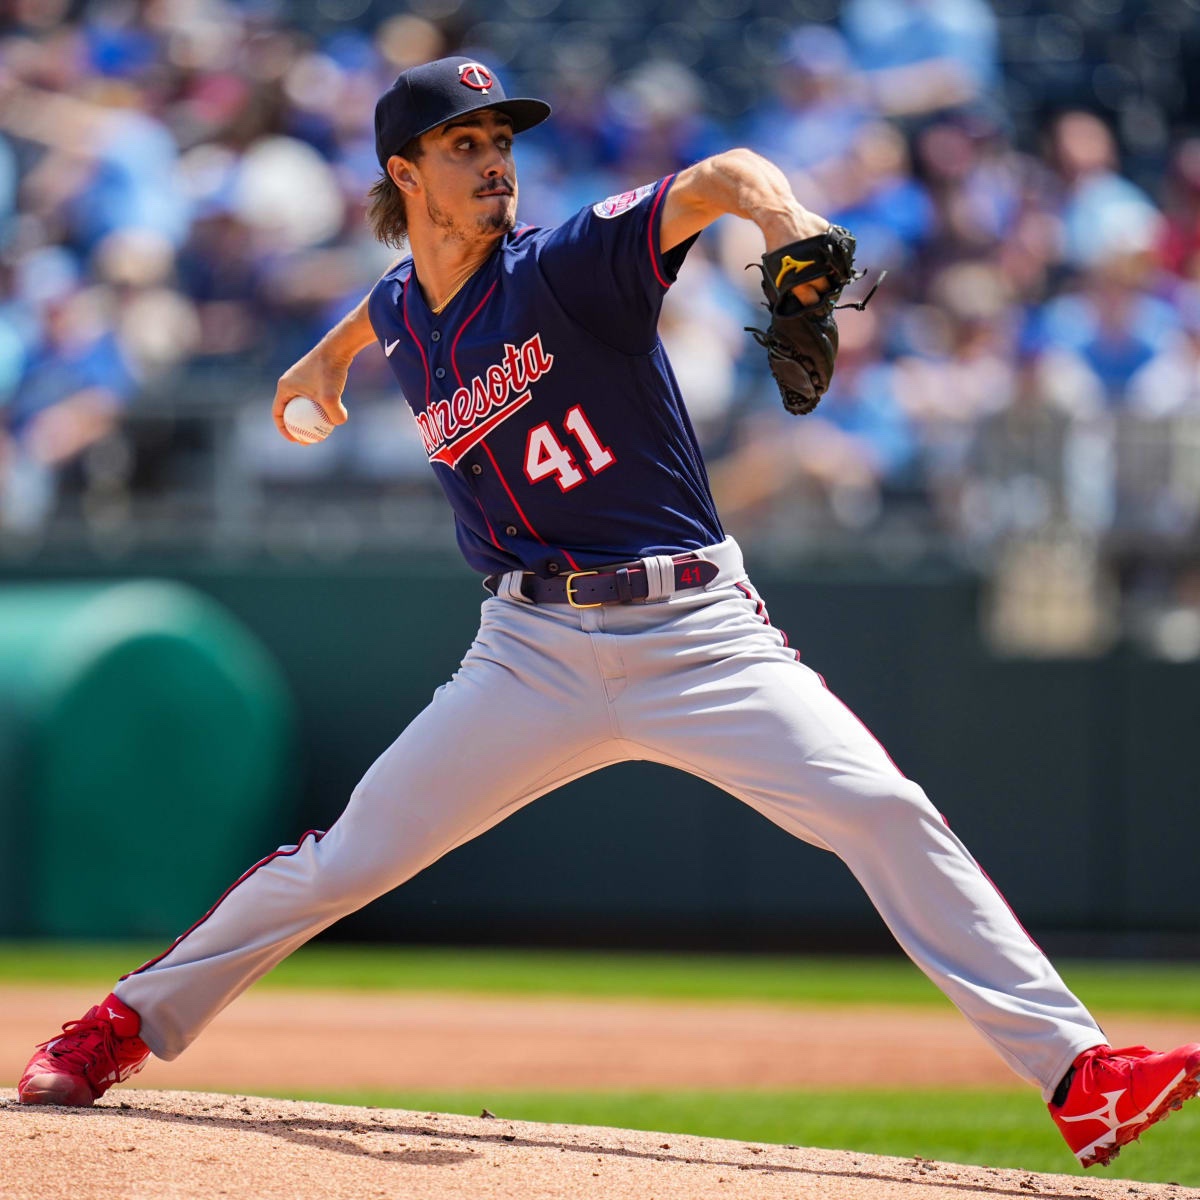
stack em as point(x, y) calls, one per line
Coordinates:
point(511, 530)
point(440, 373)
point(476, 469)
point(436, 335)
point(552, 567)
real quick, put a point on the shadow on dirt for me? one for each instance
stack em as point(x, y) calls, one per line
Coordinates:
point(426, 1145)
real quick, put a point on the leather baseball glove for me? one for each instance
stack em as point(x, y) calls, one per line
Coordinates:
point(802, 341)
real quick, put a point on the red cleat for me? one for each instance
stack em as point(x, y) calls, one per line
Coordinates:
point(1116, 1095)
point(93, 1053)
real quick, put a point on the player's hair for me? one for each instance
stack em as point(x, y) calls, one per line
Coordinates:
point(385, 203)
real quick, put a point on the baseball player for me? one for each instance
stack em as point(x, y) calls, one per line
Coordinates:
point(620, 621)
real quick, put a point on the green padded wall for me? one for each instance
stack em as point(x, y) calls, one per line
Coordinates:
point(145, 750)
point(1072, 781)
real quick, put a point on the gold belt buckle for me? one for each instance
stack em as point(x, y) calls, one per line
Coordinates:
point(570, 579)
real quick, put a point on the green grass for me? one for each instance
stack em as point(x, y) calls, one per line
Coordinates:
point(988, 1128)
point(994, 1128)
point(1165, 988)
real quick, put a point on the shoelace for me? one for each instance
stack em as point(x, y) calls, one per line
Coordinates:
point(1118, 1059)
point(1116, 1063)
point(76, 1049)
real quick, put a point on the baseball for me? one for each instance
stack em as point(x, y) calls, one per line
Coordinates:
point(306, 420)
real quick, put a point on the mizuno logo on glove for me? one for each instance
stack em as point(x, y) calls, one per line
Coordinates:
point(790, 264)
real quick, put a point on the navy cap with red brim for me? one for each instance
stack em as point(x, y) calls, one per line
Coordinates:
point(424, 97)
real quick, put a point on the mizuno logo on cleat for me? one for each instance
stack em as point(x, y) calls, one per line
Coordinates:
point(1107, 1113)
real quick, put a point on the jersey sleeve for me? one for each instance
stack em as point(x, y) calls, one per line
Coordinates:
point(605, 268)
point(383, 303)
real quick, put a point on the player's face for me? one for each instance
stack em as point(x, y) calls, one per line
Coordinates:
point(469, 177)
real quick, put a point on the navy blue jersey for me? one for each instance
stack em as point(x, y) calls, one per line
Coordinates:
point(544, 397)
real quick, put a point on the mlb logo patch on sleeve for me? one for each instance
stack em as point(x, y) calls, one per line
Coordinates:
point(614, 206)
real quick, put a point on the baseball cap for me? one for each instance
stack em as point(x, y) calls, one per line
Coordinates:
point(424, 97)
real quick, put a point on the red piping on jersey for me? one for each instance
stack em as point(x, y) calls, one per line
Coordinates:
point(487, 449)
point(318, 834)
point(650, 231)
point(760, 610)
point(491, 531)
point(425, 364)
point(454, 347)
point(420, 348)
point(458, 376)
point(516, 504)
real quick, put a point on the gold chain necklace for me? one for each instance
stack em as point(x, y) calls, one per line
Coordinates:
point(437, 311)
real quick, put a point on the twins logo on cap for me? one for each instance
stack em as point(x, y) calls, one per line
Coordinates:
point(475, 75)
point(432, 93)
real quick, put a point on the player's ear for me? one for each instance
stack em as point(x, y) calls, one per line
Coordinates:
point(403, 174)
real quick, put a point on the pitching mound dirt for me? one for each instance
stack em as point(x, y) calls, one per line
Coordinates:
point(148, 1145)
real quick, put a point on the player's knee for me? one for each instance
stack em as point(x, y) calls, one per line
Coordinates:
point(899, 803)
point(346, 876)
point(343, 888)
point(355, 865)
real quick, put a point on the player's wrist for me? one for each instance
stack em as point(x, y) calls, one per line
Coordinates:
point(790, 224)
point(340, 346)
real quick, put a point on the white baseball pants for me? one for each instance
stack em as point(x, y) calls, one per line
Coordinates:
point(698, 681)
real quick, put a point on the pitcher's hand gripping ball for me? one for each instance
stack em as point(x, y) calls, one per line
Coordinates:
point(306, 421)
point(802, 340)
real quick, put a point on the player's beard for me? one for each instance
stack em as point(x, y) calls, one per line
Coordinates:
point(498, 219)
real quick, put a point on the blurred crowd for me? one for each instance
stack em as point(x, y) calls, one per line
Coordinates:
point(182, 186)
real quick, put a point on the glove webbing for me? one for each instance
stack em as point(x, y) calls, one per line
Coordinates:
point(794, 401)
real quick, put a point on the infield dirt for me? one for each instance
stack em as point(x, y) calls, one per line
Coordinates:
point(168, 1145)
point(273, 1040)
point(153, 1145)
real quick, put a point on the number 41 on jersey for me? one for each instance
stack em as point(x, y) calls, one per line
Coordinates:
point(546, 455)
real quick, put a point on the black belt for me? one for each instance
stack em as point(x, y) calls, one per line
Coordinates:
point(621, 584)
